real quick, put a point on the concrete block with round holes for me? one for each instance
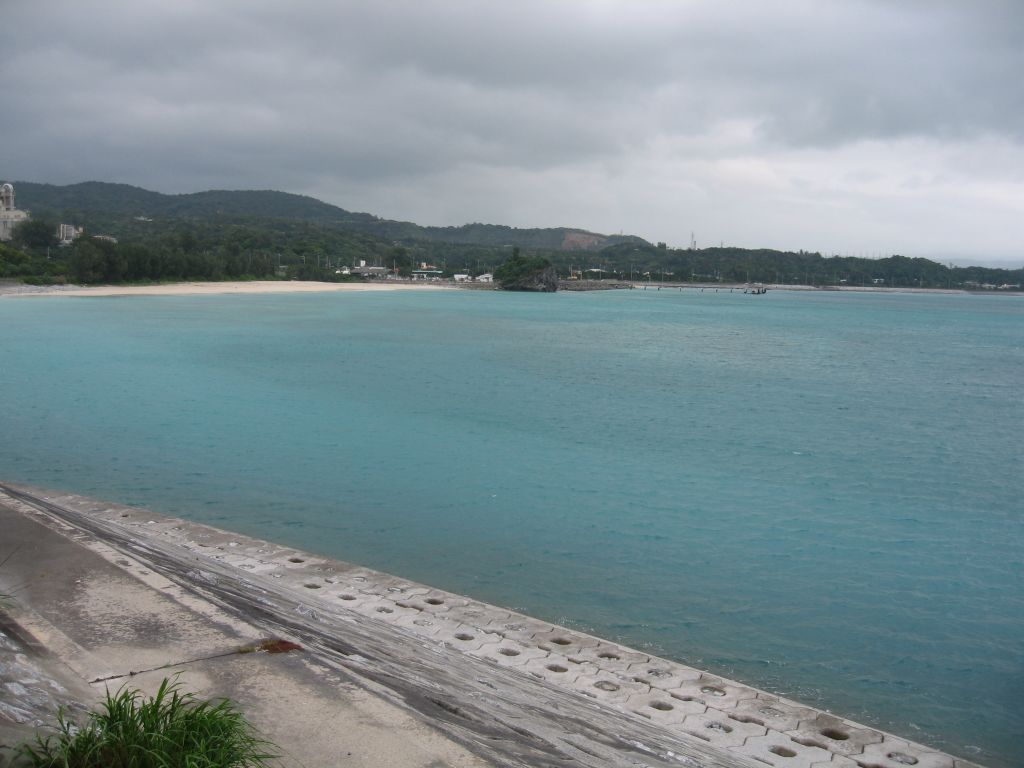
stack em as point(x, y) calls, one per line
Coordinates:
point(661, 708)
point(563, 641)
point(612, 658)
point(608, 689)
point(716, 728)
point(714, 692)
point(835, 734)
point(663, 675)
point(557, 669)
point(467, 638)
point(775, 714)
point(779, 750)
point(510, 654)
point(892, 752)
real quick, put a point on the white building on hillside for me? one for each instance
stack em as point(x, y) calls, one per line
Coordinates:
point(9, 215)
point(66, 233)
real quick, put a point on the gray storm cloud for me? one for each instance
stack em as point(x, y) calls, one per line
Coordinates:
point(858, 126)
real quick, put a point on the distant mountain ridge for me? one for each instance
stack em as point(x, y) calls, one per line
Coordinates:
point(109, 207)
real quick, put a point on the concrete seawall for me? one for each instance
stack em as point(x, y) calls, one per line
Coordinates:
point(117, 594)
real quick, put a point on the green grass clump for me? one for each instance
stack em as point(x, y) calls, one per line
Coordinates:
point(169, 730)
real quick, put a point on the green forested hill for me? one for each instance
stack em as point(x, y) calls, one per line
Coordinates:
point(115, 209)
point(217, 234)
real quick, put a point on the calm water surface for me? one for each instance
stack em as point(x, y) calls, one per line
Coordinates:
point(815, 493)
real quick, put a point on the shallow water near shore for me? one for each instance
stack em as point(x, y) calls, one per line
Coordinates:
point(814, 493)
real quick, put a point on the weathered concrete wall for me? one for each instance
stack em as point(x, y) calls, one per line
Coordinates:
point(508, 688)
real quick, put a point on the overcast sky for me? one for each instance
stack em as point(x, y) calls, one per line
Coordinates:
point(863, 127)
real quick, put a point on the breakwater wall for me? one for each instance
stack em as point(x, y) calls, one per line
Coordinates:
point(511, 688)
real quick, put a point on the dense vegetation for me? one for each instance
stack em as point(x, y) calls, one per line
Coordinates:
point(197, 251)
point(265, 234)
point(520, 272)
point(169, 730)
point(740, 265)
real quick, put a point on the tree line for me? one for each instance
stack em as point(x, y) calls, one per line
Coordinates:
point(215, 249)
point(742, 265)
point(188, 251)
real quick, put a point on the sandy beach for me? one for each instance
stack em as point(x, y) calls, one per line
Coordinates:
point(8, 290)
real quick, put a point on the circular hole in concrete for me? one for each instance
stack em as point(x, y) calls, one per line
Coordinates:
point(346, 597)
point(606, 685)
point(296, 560)
point(711, 690)
point(463, 636)
point(835, 734)
point(556, 668)
point(661, 706)
point(606, 655)
point(382, 609)
point(782, 751)
point(423, 623)
point(508, 651)
point(311, 586)
point(659, 673)
point(682, 697)
point(715, 726)
point(902, 759)
point(125, 515)
point(561, 641)
point(433, 601)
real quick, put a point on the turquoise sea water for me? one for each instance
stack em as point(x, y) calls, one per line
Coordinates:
point(814, 493)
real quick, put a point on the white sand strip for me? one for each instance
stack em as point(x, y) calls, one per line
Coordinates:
point(212, 288)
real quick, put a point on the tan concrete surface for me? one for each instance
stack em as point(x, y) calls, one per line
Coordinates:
point(104, 619)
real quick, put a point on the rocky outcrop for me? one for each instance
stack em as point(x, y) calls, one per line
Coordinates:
point(544, 280)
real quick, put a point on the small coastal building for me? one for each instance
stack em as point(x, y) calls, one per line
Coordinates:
point(427, 272)
point(461, 278)
point(10, 216)
point(66, 233)
point(364, 270)
point(487, 277)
